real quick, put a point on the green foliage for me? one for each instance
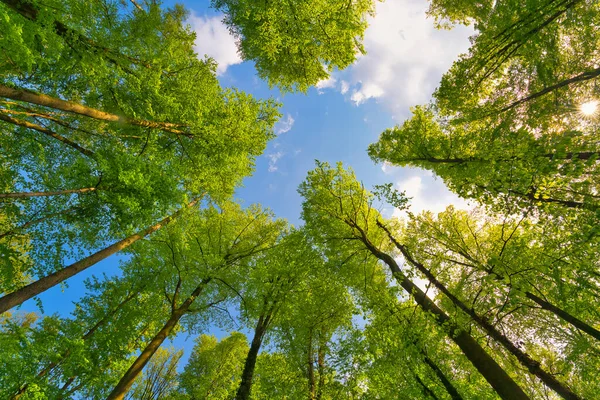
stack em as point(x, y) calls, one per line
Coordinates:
point(352, 305)
point(215, 367)
point(513, 170)
point(294, 44)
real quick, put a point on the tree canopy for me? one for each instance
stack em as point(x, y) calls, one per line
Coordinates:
point(116, 138)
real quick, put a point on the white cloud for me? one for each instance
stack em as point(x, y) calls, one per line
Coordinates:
point(326, 84)
point(406, 56)
point(273, 159)
point(284, 125)
point(344, 87)
point(386, 167)
point(427, 193)
point(214, 40)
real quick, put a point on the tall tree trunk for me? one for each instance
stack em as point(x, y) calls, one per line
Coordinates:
point(33, 289)
point(493, 373)
point(587, 75)
point(321, 365)
point(565, 316)
point(80, 109)
point(545, 305)
point(426, 390)
point(531, 195)
point(121, 389)
point(243, 392)
point(26, 195)
point(532, 365)
point(452, 391)
point(310, 367)
point(46, 131)
point(441, 376)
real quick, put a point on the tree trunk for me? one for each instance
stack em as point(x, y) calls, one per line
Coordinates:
point(441, 376)
point(26, 195)
point(560, 313)
point(587, 75)
point(46, 131)
point(565, 316)
point(566, 203)
point(33, 289)
point(243, 392)
point(532, 365)
point(310, 368)
point(76, 108)
point(321, 366)
point(426, 390)
point(121, 389)
point(504, 385)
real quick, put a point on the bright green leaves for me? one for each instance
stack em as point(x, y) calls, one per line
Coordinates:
point(508, 169)
point(295, 44)
point(215, 367)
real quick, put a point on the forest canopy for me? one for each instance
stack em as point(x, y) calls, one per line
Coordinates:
point(120, 143)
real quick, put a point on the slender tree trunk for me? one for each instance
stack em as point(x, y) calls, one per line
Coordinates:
point(493, 373)
point(79, 109)
point(532, 365)
point(243, 392)
point(68, 383)
point(121, 389)
point(321, 366)
point(26, 195)
point(46, 131)
point(441, 376)
point(545, 305)
point(426, 389)
point(452, 391)
point(566, 203)
point(565, 316)
point(310, 368)
point(587, 75)
point(33, 289)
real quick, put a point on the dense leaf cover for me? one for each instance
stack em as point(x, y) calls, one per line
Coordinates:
point(116, 137)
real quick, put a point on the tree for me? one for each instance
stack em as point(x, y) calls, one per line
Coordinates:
point(159, 379)
point(512, 170)
point(295, 44)
point(19, 296)
point(199, 257)
point(533, 63)
point(530, 279)
point(83, 354)
point(214, 369)
point(107, 129)
point(336, 206)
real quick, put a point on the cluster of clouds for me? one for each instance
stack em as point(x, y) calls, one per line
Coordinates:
point(406, 57)
point(213, 39)
point(427, 193)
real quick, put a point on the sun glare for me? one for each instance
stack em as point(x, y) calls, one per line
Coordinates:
point(589, 108)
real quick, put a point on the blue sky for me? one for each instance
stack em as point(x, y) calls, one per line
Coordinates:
point(336, 121)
